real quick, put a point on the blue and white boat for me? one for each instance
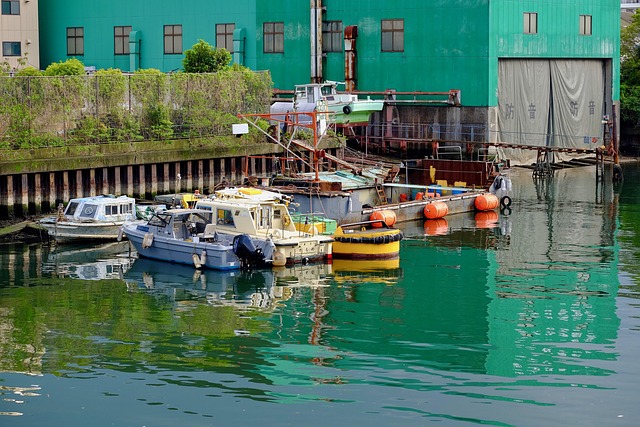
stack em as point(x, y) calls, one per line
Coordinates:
point(188, 236)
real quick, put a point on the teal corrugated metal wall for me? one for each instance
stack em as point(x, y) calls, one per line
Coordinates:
point(558, 33)
point(448, 44)
point(198, 19)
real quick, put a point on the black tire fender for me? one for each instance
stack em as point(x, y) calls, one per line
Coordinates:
point(505, 201)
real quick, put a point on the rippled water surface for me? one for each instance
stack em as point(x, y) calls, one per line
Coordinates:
point(525, 319)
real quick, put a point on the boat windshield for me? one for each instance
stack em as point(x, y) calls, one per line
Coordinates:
point(327, 90)
point(160, 219)
point(89, 210)
point(71, 208)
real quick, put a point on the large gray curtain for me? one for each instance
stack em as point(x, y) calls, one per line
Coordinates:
point(558, 103)
point(523, 101)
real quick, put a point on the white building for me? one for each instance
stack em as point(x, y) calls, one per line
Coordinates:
point(19, 32)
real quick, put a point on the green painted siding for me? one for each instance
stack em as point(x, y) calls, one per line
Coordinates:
point(198, 20)
point(448, 44)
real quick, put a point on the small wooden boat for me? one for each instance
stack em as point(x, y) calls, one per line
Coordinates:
point(90, 218)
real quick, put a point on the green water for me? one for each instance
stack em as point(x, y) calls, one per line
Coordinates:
point(527, 319)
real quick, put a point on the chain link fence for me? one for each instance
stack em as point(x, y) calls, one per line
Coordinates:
point(107, 107)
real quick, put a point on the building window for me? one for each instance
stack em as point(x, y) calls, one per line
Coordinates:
point(585, 25)
point(75, 41)
point(172, 39)
point(332, 36)
point(393, 35)
point(11, 49)
point(224, 36)
point(11, 7)
point(121, 40)
point(273, 37)
point(530, 23)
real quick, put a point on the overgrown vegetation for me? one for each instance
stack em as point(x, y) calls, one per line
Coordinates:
point(63, 105)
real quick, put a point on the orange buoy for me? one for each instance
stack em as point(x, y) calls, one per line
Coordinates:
point(486, 219)
point(387, 216)
point(420, 195)
point(403, 197)
point(486, 202)
point(436, 227)
point(436, 210)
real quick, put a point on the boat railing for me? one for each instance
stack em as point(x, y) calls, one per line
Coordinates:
point(449, 150)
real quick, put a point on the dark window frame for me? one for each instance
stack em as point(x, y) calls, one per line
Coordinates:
point(121, 39)
point(224, 33)
point(273, 33)
point(332, 36)
point(172, 39)
point(75, 41)
point(9, 49)
point(11, 7)
point(392, 39)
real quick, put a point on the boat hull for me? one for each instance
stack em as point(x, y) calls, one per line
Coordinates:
point(359, 111)
point(305, 250)
point(68, 231)
point(217, 256)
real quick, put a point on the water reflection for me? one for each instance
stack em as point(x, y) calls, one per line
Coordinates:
point(251, 288)
point(89, 262)
point(492, 321)
point(387, 271)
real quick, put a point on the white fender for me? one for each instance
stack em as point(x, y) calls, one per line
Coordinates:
point(196, 260)
point(279, 259)
point(199, 261)
point(147, 241)
point(120, 234)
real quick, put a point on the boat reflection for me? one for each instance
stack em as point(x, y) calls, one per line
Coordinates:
point(367, 271)
point(185, 285)
point(89, 262)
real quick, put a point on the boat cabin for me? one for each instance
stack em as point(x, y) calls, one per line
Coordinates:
point(307, 96)
point(100, 208)
point(244, 216)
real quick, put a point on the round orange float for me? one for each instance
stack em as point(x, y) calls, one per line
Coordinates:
point(419, 196)
point(436, 210)
point(403, 197)
point(387, 216)
point(486, 202)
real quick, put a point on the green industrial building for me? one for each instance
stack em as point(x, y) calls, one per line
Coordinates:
point(537, 72)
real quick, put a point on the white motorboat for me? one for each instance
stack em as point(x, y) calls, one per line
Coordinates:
point(90, 218)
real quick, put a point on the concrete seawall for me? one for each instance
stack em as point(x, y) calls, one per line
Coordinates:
point(33, 182)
